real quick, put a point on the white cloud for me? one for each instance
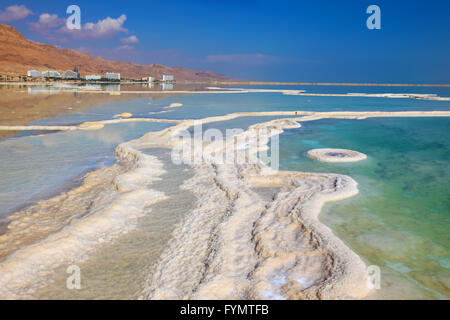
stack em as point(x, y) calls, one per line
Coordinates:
point(13, 13)
point(130, 39)
point(105, 27)
point(46, 22)
point(124, 47)
point(102, 29)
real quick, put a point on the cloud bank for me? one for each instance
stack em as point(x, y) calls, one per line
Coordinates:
point(14, 13)
point(102, 29)
point(130, 40)
point(46, 22)
point(53, 25)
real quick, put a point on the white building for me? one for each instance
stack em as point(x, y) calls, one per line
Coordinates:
point(34, 74)
point(148, 79)
point(69, 74)
point(93, 77)
point(167, 78)
point(51, 74)
point(112, 76)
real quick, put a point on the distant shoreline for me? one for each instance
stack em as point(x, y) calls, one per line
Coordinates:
point(349, 84)
point(331, 84)
point(40, 83)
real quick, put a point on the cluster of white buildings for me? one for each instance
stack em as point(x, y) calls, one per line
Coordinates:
point(44, 74)
point(164, 79)
point(51, 74)
point(34, 74)
point(71, 74)
point(109, 76)
point(112, 76)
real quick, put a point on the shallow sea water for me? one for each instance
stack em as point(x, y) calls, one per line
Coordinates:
point(399, 221)
point(119, 270)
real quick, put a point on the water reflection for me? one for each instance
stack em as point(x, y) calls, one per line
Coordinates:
point(167, 86)
point(112, 87)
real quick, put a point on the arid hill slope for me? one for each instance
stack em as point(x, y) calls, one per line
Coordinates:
point(17, 55)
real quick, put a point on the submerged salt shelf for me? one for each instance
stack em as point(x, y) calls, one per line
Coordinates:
point(336, 155)
point(147, 277)
point(36, 167)
point(130, 259)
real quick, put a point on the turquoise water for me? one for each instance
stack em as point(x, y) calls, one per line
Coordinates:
point(441, 91)
point(35, 167)
point(400, 221)
point(201, 105)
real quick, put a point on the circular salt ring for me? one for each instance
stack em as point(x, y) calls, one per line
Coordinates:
point(336, 155)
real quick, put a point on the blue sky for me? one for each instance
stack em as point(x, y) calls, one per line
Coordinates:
point(321, 41)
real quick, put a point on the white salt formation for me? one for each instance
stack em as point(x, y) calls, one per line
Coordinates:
point(336, 155)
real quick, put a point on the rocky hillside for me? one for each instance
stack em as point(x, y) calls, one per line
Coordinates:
point(17, 55)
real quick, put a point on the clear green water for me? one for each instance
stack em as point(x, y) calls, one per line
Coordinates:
point(202, 105)
point(37, 166)
point(400, 221)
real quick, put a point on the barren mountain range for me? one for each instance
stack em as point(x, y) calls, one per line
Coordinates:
point(18, 54)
